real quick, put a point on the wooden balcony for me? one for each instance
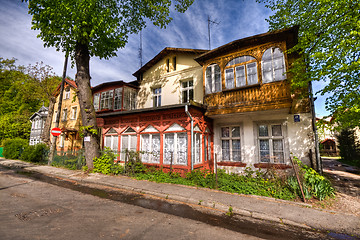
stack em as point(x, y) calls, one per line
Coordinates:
point(268, 96)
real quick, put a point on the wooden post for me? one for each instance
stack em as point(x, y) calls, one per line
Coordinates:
point(216, 175)
point(298, 179)
point(171, 162)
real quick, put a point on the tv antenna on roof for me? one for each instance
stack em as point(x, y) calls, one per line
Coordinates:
point(209, 26)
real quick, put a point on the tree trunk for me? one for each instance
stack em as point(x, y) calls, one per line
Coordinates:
point(84, 94)
point(45, 135)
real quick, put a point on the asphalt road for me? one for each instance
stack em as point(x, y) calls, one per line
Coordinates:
point(33, 209)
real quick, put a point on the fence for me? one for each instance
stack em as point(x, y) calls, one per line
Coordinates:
point(69, 159)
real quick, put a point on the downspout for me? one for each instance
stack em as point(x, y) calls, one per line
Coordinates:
point(192, 136)
point(317, 152)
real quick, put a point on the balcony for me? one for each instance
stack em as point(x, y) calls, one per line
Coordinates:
point(268, 96)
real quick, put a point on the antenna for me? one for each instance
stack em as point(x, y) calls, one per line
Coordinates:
point(209, 25)
point(140, 50)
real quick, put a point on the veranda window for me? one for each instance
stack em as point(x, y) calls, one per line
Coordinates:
point(175, 147)
point(129, 98)
point(273, 65)
point(128, 142)
point(96, 101)
point(213, 79)
point(150, 146)
point(112, 140)
point(106, 100)
point(118, 98)
point(271, 143)
point(241, 71)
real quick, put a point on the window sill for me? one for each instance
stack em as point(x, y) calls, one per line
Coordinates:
point(232, 164)
point(272, 165)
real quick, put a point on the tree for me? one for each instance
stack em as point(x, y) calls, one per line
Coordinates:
point(86, 28)
point(349, 147)
point(21, 94)
point(329, 46)
point(46, 82)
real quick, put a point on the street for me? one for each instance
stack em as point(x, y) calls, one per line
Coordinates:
point(33, 209)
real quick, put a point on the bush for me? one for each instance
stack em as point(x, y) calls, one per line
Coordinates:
point(36, 154)
point(314, 185)
point(13, 148)
point(349, 149)
point(105, 163)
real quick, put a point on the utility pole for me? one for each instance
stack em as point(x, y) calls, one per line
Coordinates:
point(209, 27)
point(57, 118)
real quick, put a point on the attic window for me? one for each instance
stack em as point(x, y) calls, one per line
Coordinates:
point(167, 65)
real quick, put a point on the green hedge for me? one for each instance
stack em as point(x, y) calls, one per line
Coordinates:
point(13, 148)
point(36, 153)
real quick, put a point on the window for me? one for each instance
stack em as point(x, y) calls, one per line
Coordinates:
point(67, 93)
point(167, 65)
point(157, 97)
point(213, 79)
point(174, 63)
point(207, 149)
point(73, 113)
point(96, 101)
point(241, 71)
point(150, 145)
point(106, 100)
point(187, 89)
point(273, 65)
point(175, 148)
point(111, 140)
point(197, 148)
point(230, 143)
point(118, 99)
point(128, 142)
point(55, 116)
point(129, 98)
point(271, 143)
point(64, 115)
point(61, 141)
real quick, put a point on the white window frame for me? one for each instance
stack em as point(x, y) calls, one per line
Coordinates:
point(97, 101)
point(129, 102)
point(67, 93)
point(271, 139)
point(187, 90)
point(273, 69)
point(114, 142)
point(232, 80)
point(214, 78)
point(64, 115)
point(230, 139)
point(107, 99)
point(197, 148)
point(130, 137)
point(55, 116)
point(118, 98)
point(61, 140)
point(74, 113)
point(175, 150)
point(150, 155)
point(156, 97)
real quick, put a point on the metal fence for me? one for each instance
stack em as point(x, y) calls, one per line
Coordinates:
point(69, 159)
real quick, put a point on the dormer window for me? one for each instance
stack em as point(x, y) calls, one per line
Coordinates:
point(273, 65)
point(212, 79)
point(241, 71)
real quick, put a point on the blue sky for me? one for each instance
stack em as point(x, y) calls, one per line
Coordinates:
point(237, 19)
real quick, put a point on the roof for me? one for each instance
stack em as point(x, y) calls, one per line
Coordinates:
point(40, 113)
point(69, 82)
point(164, 53)
point(134, 84)
point(244, 42)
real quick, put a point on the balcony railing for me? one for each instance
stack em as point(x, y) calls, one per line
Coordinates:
point(259, 97)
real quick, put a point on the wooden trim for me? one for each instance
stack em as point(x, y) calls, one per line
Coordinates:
point(272, 165)
point(232, 164)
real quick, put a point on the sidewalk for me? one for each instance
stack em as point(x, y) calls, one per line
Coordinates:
point(261, 208)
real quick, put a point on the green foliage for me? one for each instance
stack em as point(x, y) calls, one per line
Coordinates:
point(133, 163)
point(329, 46)
point(103, 26)
point(349, 148)
point(314, 185)
point(35, 153)
point(13, 148)
point(22, 92)
point(70, 160)
point(105, 163)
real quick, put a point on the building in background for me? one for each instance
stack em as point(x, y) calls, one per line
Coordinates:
point(70, 119)
point(37, 125)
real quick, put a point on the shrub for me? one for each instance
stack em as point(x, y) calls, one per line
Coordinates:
point(349, 148)
point(13, 148)
point(105, 163)
point(314, 185)
point(37, 153)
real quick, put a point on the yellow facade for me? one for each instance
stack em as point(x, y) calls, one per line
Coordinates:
point(70, 120)
point(168, 74)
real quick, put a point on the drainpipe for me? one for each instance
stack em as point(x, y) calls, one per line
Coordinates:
point(192, 136)
point(317, 152)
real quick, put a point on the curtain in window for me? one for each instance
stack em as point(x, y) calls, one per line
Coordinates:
point(169, 147)
point(182, 148)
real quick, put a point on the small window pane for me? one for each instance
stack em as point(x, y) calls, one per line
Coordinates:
point(263, 131)
point(235, 132)
point(278, 145)
point(229, 78)
point(276, 130)
point(236, 156)
point(264, 145)
point(225, 132)
point(225, 150)
point(240, 76)
point(217, 78)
